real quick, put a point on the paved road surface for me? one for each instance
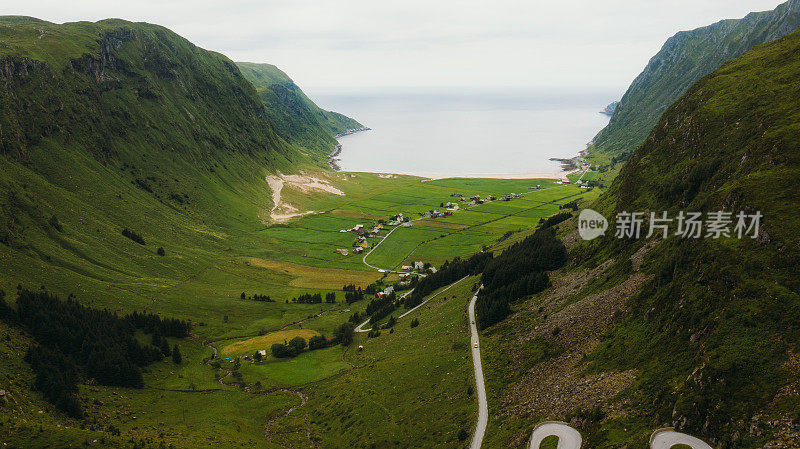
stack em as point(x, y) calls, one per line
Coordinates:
point(666, 438)
point(360, 327)
point(568, 438)
point(483, 408)
point(364, 259)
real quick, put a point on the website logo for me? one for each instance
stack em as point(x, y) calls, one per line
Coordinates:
point(591, 224)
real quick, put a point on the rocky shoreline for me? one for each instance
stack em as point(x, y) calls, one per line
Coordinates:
point(570, 164)
point(333, 160)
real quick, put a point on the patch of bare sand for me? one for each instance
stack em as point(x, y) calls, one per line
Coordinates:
point(281, 210)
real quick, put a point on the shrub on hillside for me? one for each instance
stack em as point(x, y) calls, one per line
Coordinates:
point(133, 236)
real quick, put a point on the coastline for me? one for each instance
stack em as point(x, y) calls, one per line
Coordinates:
point(529, 175)
point(568, 166)
point(333, 161)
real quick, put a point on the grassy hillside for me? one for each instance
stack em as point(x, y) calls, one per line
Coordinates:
point(699, 334)
point(682, 61)
point(295, 116)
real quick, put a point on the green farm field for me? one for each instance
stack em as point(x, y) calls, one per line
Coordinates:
point(207, 266)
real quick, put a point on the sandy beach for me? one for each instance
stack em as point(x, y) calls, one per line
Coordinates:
point(530, 175)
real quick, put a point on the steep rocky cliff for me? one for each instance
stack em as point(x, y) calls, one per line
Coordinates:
point(682, 61)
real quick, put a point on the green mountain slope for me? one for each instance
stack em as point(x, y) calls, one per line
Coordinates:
point(682, 61)
point(132, 175)
point(113, 125)
point(699, 334)
point(295, 116)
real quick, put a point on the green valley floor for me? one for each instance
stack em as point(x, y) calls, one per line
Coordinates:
point(409, 382)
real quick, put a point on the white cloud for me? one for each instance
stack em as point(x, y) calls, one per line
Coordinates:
point(368, 44)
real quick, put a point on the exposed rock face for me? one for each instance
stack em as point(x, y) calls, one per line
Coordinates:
point(682, 61)
point(14, 68)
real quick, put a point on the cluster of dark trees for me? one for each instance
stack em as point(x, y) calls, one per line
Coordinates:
point(133, 236)
point(297, 345)
point(257, 297)
point(151, 324)
point(353, 293)
point(161, 343)
point(75, 342)
point(519, 271)
point(380, 308)
point(554, 220)
point(291, 349)
point(315, 298)
point(343, 334)
point(451, 271)
point(308, 298)
point(572, 205)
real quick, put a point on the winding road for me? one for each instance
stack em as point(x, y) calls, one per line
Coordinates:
point(382, 270)
point(360, 327)
point(568, 438)
point(483, 407)
point(666, 438)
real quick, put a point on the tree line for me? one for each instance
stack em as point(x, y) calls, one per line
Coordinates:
point(519, 271)
point(554, 220)
point(449, 272)
point(380, 308)
point(75, 342)
point(353, 293)
point(256, 297)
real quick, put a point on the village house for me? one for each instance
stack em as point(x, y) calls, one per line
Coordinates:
point(357, 250)
point(406, 268)
point(342, 251)
point(419, 265)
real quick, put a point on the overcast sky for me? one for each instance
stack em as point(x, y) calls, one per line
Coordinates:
point(353, 45)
